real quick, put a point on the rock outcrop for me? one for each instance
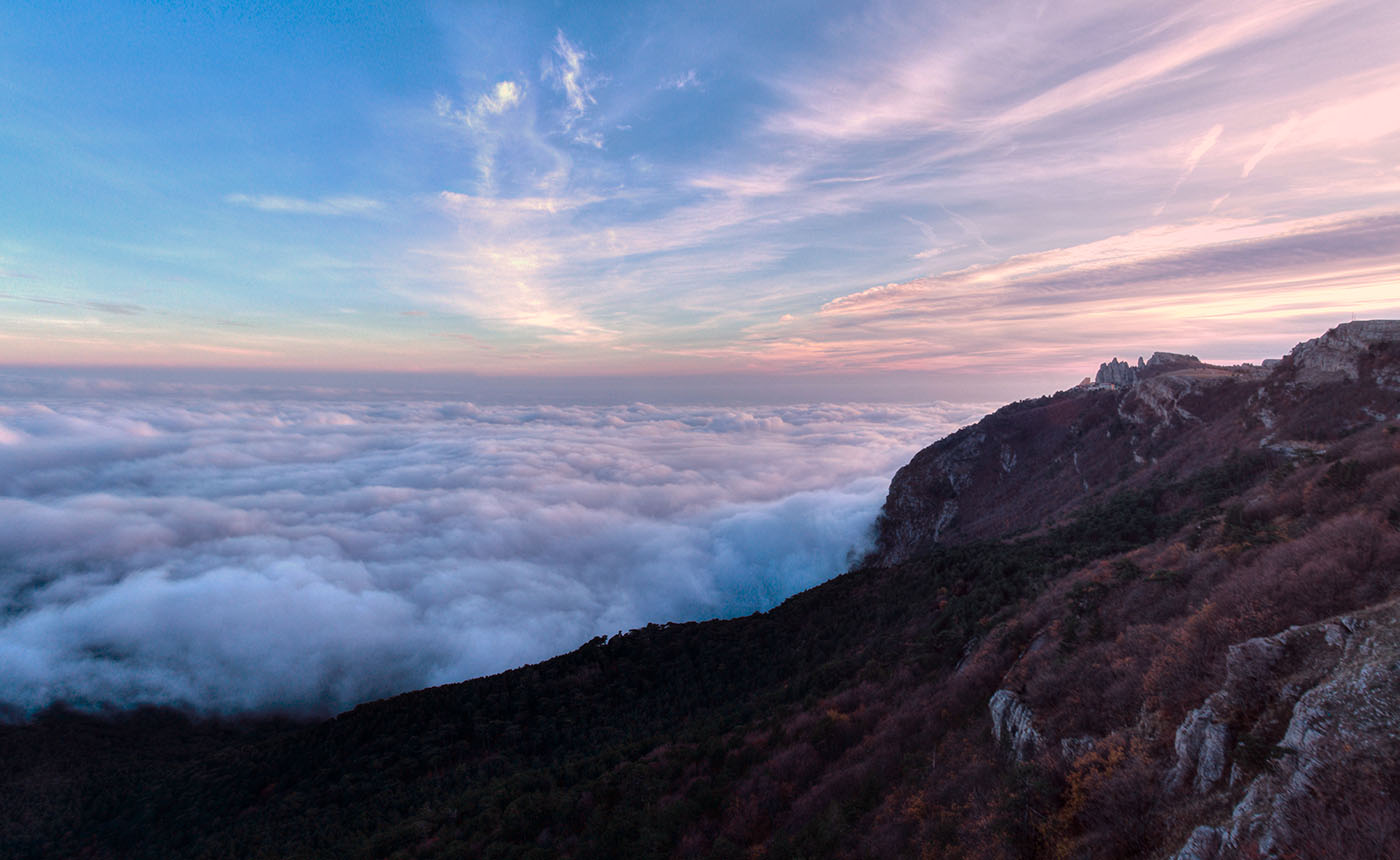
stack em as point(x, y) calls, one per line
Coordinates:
point(1013, 725)
point(1116, 372)
point(1203, 844)
point(1340, 353)
point(1202, 741)
point(1205, 738)
point(1311, 792)
point(1170, 359)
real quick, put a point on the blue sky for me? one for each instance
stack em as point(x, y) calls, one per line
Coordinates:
point(986, 190)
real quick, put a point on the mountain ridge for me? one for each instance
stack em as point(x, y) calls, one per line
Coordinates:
point(1044, 438)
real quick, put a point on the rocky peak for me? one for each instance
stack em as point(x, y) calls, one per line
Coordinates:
point(1121, 374)
point(1116, 372)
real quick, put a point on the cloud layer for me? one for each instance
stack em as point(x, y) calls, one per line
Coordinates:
point(231, 556)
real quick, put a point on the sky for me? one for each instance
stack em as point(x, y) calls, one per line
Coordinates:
point(302, 555)
point(976, 193)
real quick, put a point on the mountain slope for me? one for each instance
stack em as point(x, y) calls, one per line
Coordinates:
point(1073, 640)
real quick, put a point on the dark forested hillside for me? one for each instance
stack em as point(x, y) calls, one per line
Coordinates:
point(1121, 621)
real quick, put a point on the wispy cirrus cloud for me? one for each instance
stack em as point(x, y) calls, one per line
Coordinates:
point(505, 95)
point(684, 81)
point(119, 308)
point(345, 204)
point(1203, 146)
point(1168, 48)
point(565, 70)
point(1003, 70)
point(492, 103)
point(1277, 135)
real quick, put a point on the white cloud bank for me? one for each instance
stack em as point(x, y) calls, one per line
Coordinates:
point(304, 556)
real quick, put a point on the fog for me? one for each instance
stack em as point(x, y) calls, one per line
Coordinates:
point(301, 555)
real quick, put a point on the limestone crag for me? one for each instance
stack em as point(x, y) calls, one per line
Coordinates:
point(1265, 675)
point(1341, 732)
point(1121, 374)
point(1336, 682)
point(1157, 402)
point(922, 517)
point(1118, 373)
point(1013, 725)
point(1202, 742)
point(1339, 354)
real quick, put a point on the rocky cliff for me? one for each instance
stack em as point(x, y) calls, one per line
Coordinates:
point(1029, 463)
point(1349, 353)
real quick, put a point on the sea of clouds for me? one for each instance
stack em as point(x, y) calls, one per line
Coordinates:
point(301, 555)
